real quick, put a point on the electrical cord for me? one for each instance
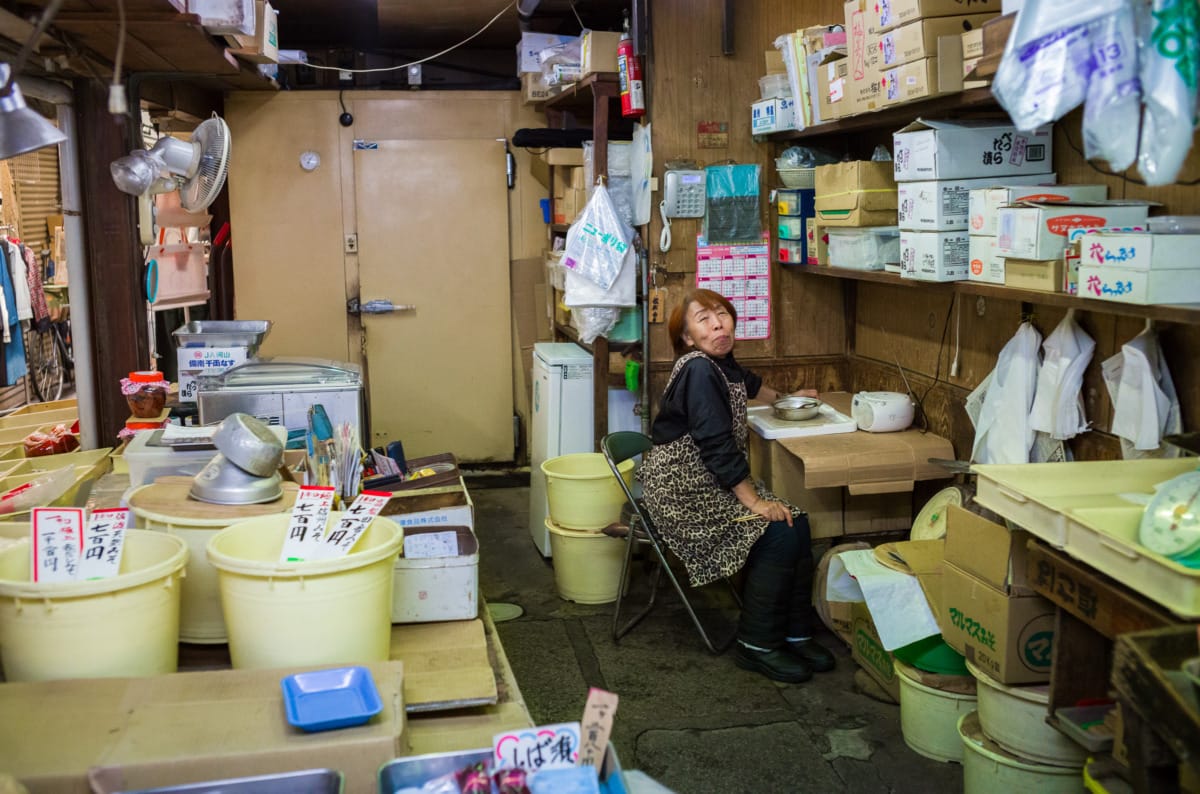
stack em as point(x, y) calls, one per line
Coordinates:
point(664, 239)
point(937, 372)
point(435, 56)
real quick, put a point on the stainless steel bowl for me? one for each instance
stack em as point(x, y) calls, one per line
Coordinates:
point(222, 483)
point(796, 409)
point(249, 444)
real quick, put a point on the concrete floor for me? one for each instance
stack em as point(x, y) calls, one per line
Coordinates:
point(693, 721)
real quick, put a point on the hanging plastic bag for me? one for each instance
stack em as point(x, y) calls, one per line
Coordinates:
point(641, 169)
point(594, 321)
point(580, 291)
point(1058, 403)
point(598, 241)
point(1145, 404)
point(1048, 61)
point(732, 193)
point(1170, 65)
point(1003, 433)
point(1114, 92)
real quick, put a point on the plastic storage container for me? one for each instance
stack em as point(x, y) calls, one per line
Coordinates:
point(1014, 717)
point(989, 769)
point(929, 718)
point(794, 201)
point(798, 177)
point(126, 625)
point(415, 771)
point(865, 248)
point(582, 492)
point(774, 85)
point(792, 227)
point(792, 252)
point(628, 327)
point(587, 565)
point(330, 611)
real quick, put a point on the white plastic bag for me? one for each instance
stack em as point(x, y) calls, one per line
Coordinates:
point(598, 241)
point(1114, 93)
point(594, 321)
point(1145, 404)
point(1003, 433)
point(1170, 62)
point(1058, 403)
point(582, 291)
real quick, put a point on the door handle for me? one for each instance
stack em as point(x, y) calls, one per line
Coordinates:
point(377, 306)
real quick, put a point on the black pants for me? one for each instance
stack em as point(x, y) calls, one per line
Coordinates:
point(777, 595)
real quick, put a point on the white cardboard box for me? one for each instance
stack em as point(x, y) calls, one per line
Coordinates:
point(935, 256)
point(1141, 251)
point(529, 47)
point(986, 264)
point(1039, 231)
point(773, 115)
point(985, 203)
point(943, 205)
point(437, 588)
point(969, 150)
point(1144, 287)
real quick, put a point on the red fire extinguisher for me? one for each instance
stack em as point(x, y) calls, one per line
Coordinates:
point(629, 69)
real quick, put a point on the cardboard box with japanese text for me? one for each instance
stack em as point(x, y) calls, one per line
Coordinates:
point(1141, 251)
point(1141, 287)
point(530, 46)
point(888, 14)
point(449, 506)
point(935, 256)
point(986, 264)
point(773, 115)
point(918, 40)
point(862, 85)
point(944, 204)
point(987, 550)
point(832, 74)
point(968, 150)
point(855, 193)
point(1040, 231)
point(1040, 275)
point(985, 203)
point(868, 652)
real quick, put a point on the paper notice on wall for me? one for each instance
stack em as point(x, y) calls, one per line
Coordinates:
point(742, 274)
point(57, 543)
point(342, 536)
point(103, 543)
point(306, 526)
point(895, 600)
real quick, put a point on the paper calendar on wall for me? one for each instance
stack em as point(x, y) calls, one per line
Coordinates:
point(742, 273)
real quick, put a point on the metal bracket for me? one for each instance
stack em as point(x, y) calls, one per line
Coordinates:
point(379, 306)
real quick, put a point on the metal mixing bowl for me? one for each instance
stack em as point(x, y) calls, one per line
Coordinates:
point(796, 409)
point(249, 444)
point(222, 483)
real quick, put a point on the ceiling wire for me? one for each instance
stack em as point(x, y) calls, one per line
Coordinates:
point(120, 56)
point(398, 67)
point(578, 18)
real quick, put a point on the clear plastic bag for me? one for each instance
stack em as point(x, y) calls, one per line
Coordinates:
point(594, 321)
point(732, 195)
point(1114, 93)
point(598, 241)
point(38, 492)
point(581, 291)
point(1170, 62)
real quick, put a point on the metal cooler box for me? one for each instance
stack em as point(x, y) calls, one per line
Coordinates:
point(280, 390)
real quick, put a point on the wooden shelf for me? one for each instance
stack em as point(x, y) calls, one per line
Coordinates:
point(1186, 314)
point(613, 347)
point(896, 116)
point(560, 228)
point(580, 95)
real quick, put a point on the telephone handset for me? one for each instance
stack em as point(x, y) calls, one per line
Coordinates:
point(683, 194)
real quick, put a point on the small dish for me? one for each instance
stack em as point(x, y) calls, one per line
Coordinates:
point(322, 700)
point(796, 409)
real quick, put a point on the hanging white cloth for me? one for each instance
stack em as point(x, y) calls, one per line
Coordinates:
point(1058, 403)
point(1145, 405)
point(1003, 433)
point(16, 268)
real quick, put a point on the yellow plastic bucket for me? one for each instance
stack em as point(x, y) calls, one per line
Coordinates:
point(990, 769)
point(124, 626)
point(334, 611)
point(929, 718)
point(200, 618)
point(587, 565)
point(582, 492)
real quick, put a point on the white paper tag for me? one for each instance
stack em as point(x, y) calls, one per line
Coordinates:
point(431, 544)
point(306, 526)
point(57, 543)
point(103, 543)
point(342, 536)
point(543, 747)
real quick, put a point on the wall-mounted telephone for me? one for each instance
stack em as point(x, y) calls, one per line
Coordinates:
point(683, 194)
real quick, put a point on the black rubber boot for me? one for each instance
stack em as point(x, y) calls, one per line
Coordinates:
point(778, 665)
point(813, 654)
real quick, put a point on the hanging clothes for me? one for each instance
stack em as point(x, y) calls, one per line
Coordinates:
point(14, 349)
point(34, 278)
point(16, 267)
point(4, 304)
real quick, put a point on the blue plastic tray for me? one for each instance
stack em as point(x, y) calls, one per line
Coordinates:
point(325, 699)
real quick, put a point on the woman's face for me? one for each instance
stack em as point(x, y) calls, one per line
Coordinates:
point(709, 330)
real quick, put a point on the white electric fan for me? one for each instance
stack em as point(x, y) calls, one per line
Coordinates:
point(196, 168)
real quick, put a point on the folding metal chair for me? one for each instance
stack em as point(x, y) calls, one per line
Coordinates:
point(618, 448)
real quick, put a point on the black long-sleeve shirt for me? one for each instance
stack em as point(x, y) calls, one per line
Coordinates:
point(697, 402)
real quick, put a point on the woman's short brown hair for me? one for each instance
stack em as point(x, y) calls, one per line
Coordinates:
point(677, 323)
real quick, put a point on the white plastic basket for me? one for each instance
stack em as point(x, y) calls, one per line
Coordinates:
point(798, 177)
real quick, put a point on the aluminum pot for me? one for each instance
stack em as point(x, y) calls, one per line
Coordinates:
point(796, 409)
point(249, 444)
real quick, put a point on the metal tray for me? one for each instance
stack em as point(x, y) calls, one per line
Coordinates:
point(418, 770)
point(312, 781)
point(223, 333)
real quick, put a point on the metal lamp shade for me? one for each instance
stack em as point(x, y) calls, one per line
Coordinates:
point(22, 129)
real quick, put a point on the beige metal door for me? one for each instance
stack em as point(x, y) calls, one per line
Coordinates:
point(433, 235)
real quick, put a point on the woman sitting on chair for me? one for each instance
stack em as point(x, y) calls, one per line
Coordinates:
point(711, 513)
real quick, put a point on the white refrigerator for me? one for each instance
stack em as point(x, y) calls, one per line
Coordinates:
point(562, 420)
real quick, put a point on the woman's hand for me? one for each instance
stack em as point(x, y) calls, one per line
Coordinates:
point(804, 393)
point(772, 511)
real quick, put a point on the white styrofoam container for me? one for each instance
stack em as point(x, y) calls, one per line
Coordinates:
point(1141, 287)
point(928, 149)
point(1142, 251)
point(224, 17)
point(986, 264)
point(941, 205)
point(985, 202)
point(1037, 495)
point(462, 515)
point(935, 256)
point(438, 588)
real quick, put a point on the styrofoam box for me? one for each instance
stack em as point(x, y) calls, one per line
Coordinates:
point(929, 149)
point(1140, 287)
point(935, 256)
point(1036, 495)
point(1142, 251)
point(986, 202)
point(438, 588)
point(147, 463)
point(944, 205)
point(986, 264)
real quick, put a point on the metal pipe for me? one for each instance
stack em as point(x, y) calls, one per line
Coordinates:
point(525, 9)
point(77, 280)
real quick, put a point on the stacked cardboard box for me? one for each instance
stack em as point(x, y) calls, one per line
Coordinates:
point(862, 89)
point(854, 194)
point(936, 164)
point(908, 60)
point(1140, 268)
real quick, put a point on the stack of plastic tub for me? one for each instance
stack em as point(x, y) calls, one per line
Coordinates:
point(796, 210)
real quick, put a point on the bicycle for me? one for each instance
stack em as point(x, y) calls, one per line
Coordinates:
point(48, 352)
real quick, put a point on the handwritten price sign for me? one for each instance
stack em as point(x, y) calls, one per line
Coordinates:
point(57, 543)
point(545, 747)
point(353, 523)
point(306, 526)
point(103, 542)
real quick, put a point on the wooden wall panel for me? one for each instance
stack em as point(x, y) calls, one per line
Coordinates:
point(692, 82)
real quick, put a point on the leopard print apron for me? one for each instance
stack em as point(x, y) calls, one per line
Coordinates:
point(692, 512)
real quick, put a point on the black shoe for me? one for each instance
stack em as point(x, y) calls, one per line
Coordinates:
point(813, 654)
point(778, 665)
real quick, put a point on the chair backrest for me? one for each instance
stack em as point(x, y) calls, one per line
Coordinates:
point(619, 447)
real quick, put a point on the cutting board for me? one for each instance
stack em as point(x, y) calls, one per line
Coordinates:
point(829, 421)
